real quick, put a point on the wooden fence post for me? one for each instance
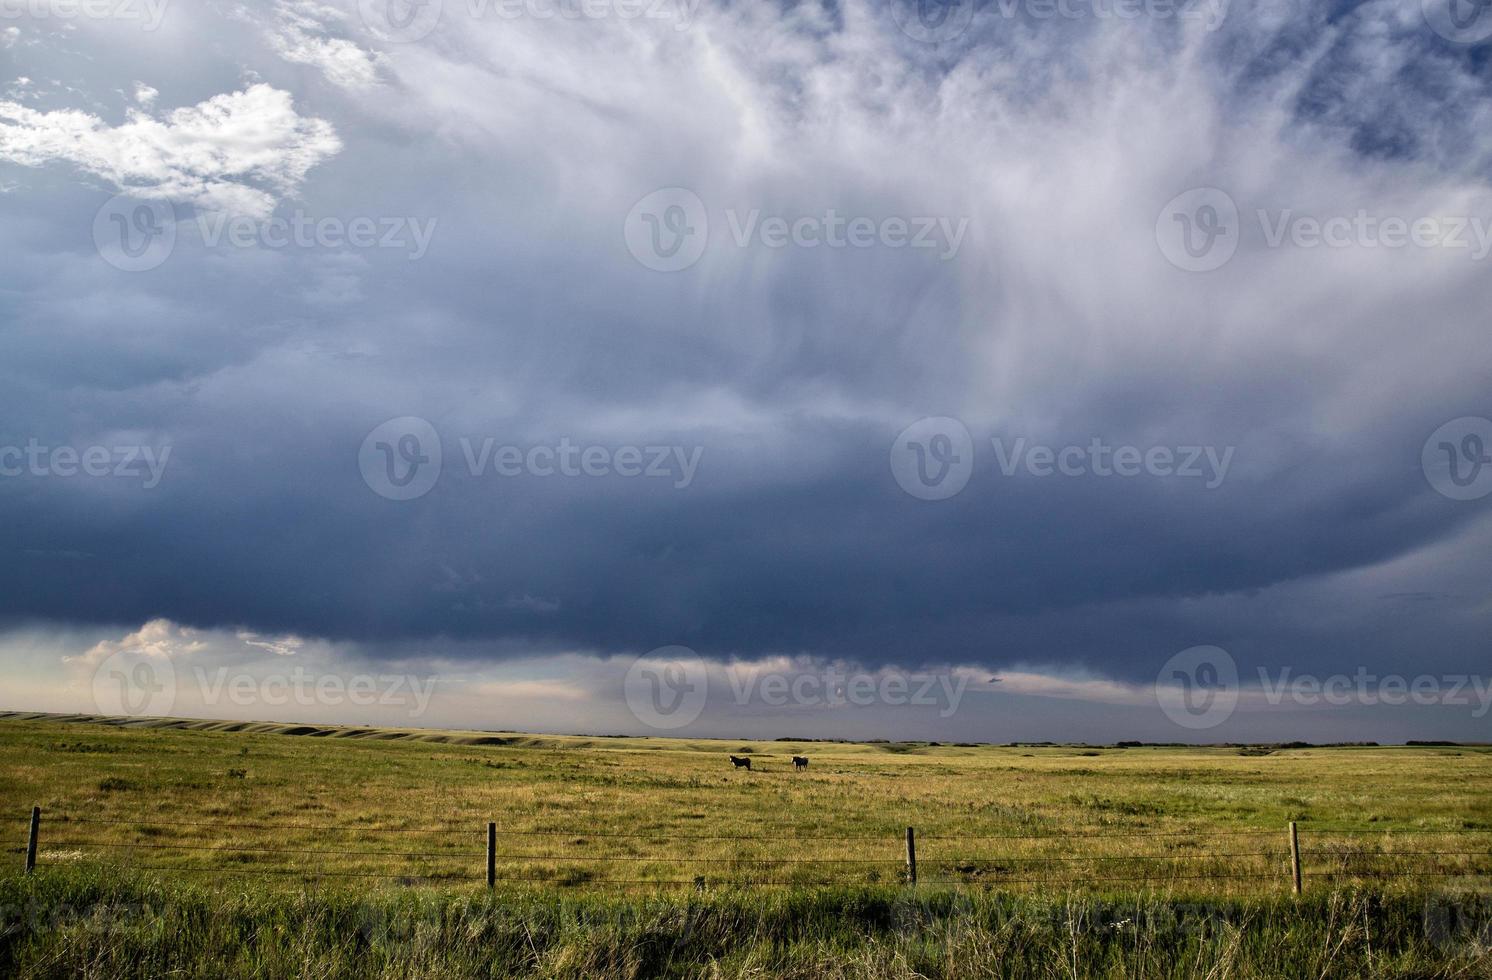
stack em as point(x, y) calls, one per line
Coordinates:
point(1295, 857)
point(911, 856)
point(491, 855)
point(31, 839)
point(699, 884)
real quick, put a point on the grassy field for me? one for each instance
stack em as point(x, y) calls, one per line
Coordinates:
point(1040, 861)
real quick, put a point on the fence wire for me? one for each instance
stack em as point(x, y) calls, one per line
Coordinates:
point(962, 866)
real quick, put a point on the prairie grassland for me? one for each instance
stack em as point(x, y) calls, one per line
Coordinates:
point(620, 812)
point(204, 849)
point(72, 922)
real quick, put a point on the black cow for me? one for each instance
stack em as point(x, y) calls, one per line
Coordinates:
point(799, 762)
point(739, 762)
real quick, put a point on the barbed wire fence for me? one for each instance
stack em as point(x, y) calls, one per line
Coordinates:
point(569, 857)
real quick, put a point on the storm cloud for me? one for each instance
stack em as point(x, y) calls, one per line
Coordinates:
point(784, 366)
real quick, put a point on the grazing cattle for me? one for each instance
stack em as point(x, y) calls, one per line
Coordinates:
point(799, 762)
point(739, 762)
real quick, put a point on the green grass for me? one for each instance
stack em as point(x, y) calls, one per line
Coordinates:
point(1031, 859)
point(76, 923)
point(559, 803)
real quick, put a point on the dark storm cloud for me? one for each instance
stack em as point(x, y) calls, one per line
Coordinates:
point(790, 371)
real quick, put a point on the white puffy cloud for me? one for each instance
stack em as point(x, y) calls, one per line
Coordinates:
point(297, 32)
point(159, 639)
point(237, 152)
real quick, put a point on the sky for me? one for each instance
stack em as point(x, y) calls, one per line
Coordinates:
point(983, 371)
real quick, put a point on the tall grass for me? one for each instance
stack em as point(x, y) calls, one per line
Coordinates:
point(80, 922)
point(205, 853)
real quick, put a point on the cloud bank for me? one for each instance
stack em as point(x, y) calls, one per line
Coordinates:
point(789, 368)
